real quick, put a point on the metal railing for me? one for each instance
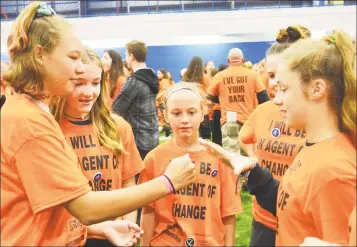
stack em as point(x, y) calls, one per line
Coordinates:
point(88, 8)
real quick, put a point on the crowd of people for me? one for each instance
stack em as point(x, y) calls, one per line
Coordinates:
point(82, 163)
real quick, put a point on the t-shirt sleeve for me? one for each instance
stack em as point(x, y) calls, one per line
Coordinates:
point(230, 200)
point(132, 161)
point(213, 88)
point(259, 84)
point(247, 132)
point(49, 171)
point(331, 209)
point(148, 173)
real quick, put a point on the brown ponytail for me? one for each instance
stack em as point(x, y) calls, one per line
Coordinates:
point(348, 109)
point(26, 75)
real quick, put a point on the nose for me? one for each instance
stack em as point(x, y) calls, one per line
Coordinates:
point(185, 118)
point(87, 90)
point(277, 99)
point(80, 68)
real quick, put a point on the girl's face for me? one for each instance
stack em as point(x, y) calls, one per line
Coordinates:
point(289, 96)
point(86, 92)
point(160, 75)
point(107, 62)
point(63, 66)
point(184, 113)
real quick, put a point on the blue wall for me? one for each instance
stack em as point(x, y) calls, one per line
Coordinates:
point(176, 57)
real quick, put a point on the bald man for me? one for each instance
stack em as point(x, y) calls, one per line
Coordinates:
point(239, 91)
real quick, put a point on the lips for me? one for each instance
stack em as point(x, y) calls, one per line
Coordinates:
point(85, 101)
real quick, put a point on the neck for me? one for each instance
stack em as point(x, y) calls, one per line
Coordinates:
point(76, 116)
point(321, 127)
point(46, 101)
point(136, 66)
point(187, 144)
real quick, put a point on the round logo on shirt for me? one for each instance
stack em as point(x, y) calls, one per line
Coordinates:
point(275, 132)
point(190, 242)
point(97, 176)
point(214, 173)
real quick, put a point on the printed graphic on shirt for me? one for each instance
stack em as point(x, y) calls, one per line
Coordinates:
point(202, 203)
point(236, 88)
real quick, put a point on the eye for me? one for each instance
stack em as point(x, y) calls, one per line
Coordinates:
point(95, 83)
point(192, 112)
point(271, 76)
point(74, 57)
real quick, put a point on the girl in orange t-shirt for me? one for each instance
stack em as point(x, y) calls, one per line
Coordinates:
point(42, 184)
point(316, 87)
point(114, 72)
point(264, 128)
point(203, 214)
point(104, 142)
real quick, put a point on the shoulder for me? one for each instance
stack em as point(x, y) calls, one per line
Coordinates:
point(336, 158)
point(28, 118)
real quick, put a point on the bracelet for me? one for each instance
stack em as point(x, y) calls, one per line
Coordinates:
point(168, 184)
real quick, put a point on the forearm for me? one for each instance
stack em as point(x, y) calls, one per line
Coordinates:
point(148, 225)
point(265, 188)
point(95, 207)
point(229, 223)
point(131, 216)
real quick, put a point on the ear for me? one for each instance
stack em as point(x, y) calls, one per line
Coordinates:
point(39, 54)
point(317, 89)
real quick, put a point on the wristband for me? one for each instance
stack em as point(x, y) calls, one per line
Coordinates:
point(168, 184)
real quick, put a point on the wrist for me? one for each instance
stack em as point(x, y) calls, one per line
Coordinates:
point(166, 180)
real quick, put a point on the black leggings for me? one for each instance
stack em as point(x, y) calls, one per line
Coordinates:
point(261, 235)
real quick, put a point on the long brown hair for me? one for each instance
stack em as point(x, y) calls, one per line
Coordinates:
point(116, 70)
point(194, 72)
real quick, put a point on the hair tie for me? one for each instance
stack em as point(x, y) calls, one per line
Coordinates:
point(44, 10)
point(331, 39)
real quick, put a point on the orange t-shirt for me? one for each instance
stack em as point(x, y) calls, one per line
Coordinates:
point(39, 173)
point(317, 193)
point(120, 83)
point(236, 88)
point(95, 158)
point(99, 164)
point(276, 147)
point(194, 213)
point(352, 229)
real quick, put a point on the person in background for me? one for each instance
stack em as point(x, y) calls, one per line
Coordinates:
point(114, 72)
point(195, 74)
point(164, 85)
point(172, 82)
point(209, 66)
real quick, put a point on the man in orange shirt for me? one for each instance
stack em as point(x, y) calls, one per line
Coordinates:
point(238, 90)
